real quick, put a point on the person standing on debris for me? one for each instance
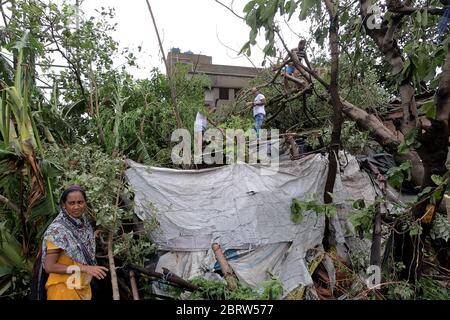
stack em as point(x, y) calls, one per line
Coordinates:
point(200, 126)
point(68, 251)
point(259, 111)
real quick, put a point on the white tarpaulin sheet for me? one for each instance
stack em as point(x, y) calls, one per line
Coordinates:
point(239, 208)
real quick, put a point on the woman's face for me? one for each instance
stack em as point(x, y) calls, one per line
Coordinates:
point(75, 204)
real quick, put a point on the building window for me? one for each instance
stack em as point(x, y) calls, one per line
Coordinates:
point(224, 94)
point(236, 92)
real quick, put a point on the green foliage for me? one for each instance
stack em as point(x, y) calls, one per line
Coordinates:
point(440, 228)
point(353, 139)
point(430, 109)
point(431, 289)
point(410, 142)
point(438, 180)
point(263, 13)
point(362, 217)
point(401, 291)
point(147, 119)
point(419, 68)
point(299, 207)
point(415, 229)
point(273, 289)
point(134, 249)
point(99, 174)
point(217, 290)
point(14, 268)
point(426, 288)
point(397, 175)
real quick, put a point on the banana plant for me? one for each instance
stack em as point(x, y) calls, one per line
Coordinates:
point(18, 125)
point(19, 149)
point(11, 259)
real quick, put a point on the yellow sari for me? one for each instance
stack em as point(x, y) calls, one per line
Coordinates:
point(60, 287)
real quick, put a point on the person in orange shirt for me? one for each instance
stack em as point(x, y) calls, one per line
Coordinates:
point(68, 250)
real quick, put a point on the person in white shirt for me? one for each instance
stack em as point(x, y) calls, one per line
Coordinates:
point(201, 123)
point(200, 126)
point(258, 109)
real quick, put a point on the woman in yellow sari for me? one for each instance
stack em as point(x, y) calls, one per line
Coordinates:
point(68, 250)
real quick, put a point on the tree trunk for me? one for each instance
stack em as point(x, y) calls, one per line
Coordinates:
point(333, 152)
point(385, 138)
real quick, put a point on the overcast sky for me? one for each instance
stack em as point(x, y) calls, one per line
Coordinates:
point(201, 26)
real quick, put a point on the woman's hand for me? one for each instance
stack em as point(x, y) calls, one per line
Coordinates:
point(98, 272)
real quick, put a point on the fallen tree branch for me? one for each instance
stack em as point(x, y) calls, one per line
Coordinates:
point(170, 277)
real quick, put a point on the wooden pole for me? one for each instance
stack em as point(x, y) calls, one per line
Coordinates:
point(134, 288)
point(225, 267)
point(112, 268)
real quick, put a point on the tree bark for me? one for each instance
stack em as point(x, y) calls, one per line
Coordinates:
point(384, 40)
point(337, 120)
point(385, 138)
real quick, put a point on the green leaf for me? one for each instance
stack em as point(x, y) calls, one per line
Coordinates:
point(305, 7)
point(290, 8)
point(438, 180)
point(436, 196)
point(268, 12)
point(296, 211)
point(415, 230)
point(419, 17)
point(23, 42)
point(5, 270)
point(410, 142)
point(424, 191)
point(4, 287)
point(425, 18)
point(344, 18)
point(249, 6)
point(430, 109)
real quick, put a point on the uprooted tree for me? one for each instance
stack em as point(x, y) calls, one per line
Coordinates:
point(401, 42)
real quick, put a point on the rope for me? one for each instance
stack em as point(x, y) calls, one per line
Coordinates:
point(166, 276)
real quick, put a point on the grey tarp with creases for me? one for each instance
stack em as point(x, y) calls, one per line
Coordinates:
point(240, 208)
